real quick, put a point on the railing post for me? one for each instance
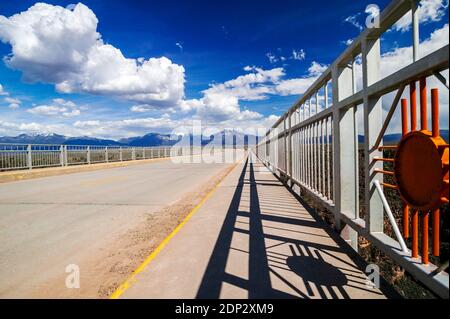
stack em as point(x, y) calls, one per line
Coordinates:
point(106, 154)
point(29, 157)
point(61, 155)
point(66, 161)
point(133, 153)
point(120, 153)
point(356, 136)
point(344, 170)
point(143, 152)
point(88, 154)
point(289, 149)
point(415, 29)
point(373, 123)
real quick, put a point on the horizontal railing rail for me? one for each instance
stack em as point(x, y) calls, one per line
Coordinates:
point(16, 156)
point(315, 145)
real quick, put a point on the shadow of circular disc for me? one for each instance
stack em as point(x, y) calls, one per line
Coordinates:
point(316, 271)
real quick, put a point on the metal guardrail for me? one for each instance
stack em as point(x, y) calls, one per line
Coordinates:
point(29, 156)
point(314, 145)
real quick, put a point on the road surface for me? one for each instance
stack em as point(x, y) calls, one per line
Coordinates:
point(49, 223)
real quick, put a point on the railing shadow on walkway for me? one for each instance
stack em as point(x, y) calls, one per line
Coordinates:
point(306, 259)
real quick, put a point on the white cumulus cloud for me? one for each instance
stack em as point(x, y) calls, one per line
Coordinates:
point(353, 20)
point(13, 102)
point(220, 102)
point(300, 85)
point(428, 11)
point(298, 55)
point(61, 46)
point(399, 58)
point(347, 42)
point(59, 108)
point(272, 58)
point(142, 108)
point(2, 90)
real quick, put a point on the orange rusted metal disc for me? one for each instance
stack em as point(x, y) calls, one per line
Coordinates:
point(418, 169)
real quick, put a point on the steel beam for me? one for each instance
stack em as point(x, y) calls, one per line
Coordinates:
point(344, 166)
point(373, 123)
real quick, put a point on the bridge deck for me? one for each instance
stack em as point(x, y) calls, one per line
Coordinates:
point(102, 220)
point(253, 239)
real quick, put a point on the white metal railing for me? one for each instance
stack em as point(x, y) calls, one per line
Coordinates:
point(29, 156)
point(314, 145)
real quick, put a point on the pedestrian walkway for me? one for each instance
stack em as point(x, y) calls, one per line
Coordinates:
point(253, 239)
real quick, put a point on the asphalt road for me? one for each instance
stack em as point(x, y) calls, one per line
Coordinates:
point(49, 223)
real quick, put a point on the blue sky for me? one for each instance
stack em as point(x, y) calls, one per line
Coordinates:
point(206, 43)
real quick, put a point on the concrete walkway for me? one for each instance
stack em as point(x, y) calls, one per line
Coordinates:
point(253, 239)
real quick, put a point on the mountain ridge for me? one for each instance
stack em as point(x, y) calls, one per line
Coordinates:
point(157, 139)
point(150, 139)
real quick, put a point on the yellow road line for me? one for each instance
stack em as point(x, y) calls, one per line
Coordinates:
point(132, 279)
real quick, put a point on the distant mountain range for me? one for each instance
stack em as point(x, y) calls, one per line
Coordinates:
point(395, 138)
point(34, 139)
point(156, 139)
point(151, 139)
